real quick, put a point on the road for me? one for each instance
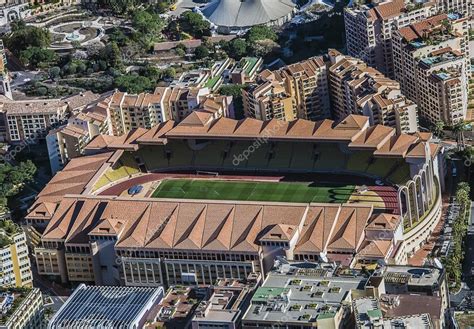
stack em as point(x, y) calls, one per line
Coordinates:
point(184, 5)
point(22, 77)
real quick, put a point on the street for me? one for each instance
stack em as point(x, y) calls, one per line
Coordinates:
point(183, 5)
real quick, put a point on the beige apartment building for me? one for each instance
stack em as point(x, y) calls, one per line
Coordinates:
point(297, 91)
point(126, 112)
point(432, 63)
point(15, 268)
point(357, 88)
point(369, 29)
point(118, 113)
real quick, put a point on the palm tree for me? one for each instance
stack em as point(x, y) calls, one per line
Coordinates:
point(459, 129)
point(438, 128)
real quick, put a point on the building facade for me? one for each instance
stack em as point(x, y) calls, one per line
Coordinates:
point(357, 88)
point(296, 91)
point(432, 64)
point(369, 29)
point(26, 314)
point(15, 265)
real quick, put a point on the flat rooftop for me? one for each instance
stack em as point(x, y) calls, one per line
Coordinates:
point(300, 298)
point(414, 276)
point(421, 321)
point(116, 307)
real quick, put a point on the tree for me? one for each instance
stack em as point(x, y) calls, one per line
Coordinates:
point(438, 128)
point(194, 24)
point(260, 32)
point(13, 179)
point(235, 91)
point(201, 52)
point(459, 129)
point(111, 55)
point(133, 84)
point(24, 37)
point(76, 44)
point(236, 49)
point(36, 56)
point(54, 72)
point(261, 48)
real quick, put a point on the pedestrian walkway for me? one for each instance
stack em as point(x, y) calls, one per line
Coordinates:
point(420, 257)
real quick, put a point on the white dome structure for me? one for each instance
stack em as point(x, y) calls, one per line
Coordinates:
point(235, 15)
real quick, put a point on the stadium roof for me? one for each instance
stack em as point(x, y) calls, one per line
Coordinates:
point(354, 130)
point(245, 13)
point(105, 307)
point(213, 225)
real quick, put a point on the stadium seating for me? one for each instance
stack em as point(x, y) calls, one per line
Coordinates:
point(303, 156)
point(400, 174)
point(236, 151)
point(180, 155)
point(380, 167)
point(154, 157)
point(329, 158)
point(280, 156)
point(259, 158)
point(211, 156)
point(277, 156)
point(359, 161)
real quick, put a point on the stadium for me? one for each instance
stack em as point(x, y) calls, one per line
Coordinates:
point(345, 192)
point(231, 16)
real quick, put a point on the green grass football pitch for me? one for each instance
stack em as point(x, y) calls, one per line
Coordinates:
point(252, 191)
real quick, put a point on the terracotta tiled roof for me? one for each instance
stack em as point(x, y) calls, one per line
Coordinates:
point(376, 249)
point(384, 222)
point(213, 225)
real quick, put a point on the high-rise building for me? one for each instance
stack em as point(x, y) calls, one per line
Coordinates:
point(15, 269)
point(464, 7)
point(22, 309)
point(5, 79)
point(431, 60)
point(357, 88)
point(297, 91)
point(369, 29)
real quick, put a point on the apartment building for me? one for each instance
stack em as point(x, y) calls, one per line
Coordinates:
point(303, 295)
point(15, 267)
point(357, 88)
point(369, 29)
point(22, 309)
point(69, 140)
point(4, 77)
point(465, 7)
point(126, 112)
point(228, 301)
point(432, 63)
point(416, 297)
point(296, 91)
point(30, 120)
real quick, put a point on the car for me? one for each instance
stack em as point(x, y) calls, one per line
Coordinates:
point(134, 190)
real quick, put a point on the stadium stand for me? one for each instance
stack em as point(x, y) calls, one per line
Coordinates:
point(303, 156)
point(280, 156)
point(126, 166)
point(180, 155)
point(153, 157)
point(359, 161)
point(329, 158)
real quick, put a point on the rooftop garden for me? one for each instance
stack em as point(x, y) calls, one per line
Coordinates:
point(19, 296)
point(7, 230)
point(295, 307)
